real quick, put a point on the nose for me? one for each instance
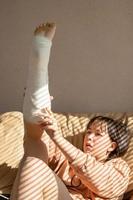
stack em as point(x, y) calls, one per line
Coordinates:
point(90, 136)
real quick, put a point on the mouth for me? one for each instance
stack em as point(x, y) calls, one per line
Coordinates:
point(88, 146)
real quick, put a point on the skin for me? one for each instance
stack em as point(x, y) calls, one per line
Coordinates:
point(96, 141)
point(46, 29)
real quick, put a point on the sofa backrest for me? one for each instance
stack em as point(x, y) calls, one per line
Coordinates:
point(11, 148)
point(72, 127)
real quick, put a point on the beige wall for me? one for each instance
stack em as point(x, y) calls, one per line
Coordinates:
point(91, 65)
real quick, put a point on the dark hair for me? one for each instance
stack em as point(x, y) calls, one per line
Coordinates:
point(118, 132)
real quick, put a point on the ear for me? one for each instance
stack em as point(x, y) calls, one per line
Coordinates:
point(112, 147)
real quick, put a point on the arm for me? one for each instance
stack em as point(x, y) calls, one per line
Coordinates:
point(49, 124)
point(108, 180)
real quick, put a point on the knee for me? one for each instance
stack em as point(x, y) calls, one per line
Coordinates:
point(37, 174)
point(33, 171)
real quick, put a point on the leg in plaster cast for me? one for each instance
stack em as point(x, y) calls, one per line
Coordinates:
point(35, 180)
point(37, 91)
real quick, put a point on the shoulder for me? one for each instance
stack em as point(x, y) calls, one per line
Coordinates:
point(119, 175)
point(120, 165)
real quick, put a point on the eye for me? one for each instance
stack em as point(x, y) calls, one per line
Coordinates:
point(98, 133)
point(88, 132)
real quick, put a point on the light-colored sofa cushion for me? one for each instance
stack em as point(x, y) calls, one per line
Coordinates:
point(11, 148)
point(72, 127)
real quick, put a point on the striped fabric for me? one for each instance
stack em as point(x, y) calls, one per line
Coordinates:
point(72, 126)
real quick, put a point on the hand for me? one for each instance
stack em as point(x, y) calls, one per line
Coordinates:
point(48, 122)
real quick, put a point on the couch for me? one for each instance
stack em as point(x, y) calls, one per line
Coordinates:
point(72, 127)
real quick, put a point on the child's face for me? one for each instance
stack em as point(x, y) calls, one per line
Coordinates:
point(97, 141)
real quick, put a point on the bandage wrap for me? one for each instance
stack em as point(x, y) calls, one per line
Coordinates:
point(37, 91)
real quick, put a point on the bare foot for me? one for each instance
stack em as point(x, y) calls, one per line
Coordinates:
point(46, 29)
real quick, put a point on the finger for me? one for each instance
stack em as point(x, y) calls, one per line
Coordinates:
point(49, 111)
point(44, 110)
point(47, 128)
point(46, 123)
point(41, 115)
point(47, 120)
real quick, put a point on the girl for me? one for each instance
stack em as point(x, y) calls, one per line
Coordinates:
point(52, 168)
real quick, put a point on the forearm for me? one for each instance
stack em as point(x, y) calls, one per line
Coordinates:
point(50, 125)
point(37, 91)
point(67, 148)
point(107, 179)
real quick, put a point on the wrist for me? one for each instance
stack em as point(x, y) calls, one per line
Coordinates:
point(56, 136)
